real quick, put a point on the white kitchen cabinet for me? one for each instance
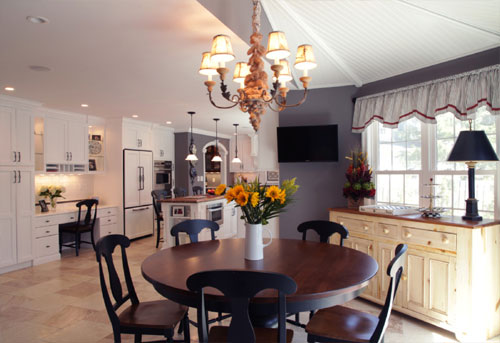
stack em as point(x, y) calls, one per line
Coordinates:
point(65, 141)
point(16, 216)
point(136, 135)
point(17, 147)
point(163, 144)
point(245, 153)
point(230, 226)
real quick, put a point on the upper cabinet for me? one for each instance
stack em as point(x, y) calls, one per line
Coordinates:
point(17, 147)
point(246, 152)
point(136, 135)
point(163, 144)
point(65, 141)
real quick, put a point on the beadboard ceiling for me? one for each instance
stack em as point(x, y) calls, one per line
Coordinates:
point(126, 57)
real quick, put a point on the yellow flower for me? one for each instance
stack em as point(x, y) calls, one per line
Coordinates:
point(254, 199)
point(242, 198)
point(230, 195)
point(282, 197)
point(237, 190)
point(273, 192)
point(220, 189)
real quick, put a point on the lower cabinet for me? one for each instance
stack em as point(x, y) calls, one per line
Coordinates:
point(46, 242)
point(448, 274)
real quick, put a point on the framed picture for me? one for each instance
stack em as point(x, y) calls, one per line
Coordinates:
point(43, 205)
point(92, 165)
point(96, 137)
point(177, 211)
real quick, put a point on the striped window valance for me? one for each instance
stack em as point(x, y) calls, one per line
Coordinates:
point(460, 94)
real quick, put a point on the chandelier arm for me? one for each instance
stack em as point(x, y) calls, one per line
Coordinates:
point(274, 109)
point(283, 104)
point(223, 107)
point(225, 94)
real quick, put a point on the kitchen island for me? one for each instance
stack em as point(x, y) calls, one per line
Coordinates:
point(209, 207)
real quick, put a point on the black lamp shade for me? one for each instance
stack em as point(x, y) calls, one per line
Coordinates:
point(472, 146)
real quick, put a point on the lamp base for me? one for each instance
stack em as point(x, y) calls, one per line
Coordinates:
point(471, 212)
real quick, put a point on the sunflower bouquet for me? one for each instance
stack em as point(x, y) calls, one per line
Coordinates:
point(259, 202)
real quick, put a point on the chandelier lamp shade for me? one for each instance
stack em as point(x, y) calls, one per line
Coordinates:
point(236, 159)
point(254, 94)
point(216, 157)
point(472, 147)
point(191, 155)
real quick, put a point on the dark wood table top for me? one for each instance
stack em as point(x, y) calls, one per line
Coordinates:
point(326, 274)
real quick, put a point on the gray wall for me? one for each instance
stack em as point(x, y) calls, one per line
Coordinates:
point(182, 140)
point(320, 182)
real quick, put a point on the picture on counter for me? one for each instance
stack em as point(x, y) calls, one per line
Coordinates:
point(43, 205)
point(178, 211)
point(92, 165)
point(96, 137)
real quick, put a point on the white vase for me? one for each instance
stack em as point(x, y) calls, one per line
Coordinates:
point(254, 248)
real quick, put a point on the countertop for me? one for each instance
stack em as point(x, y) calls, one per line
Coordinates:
point(193, 199)
point(450, 221)
point(64, 208)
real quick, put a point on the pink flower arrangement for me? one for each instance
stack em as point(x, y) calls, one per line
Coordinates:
point(359, 178)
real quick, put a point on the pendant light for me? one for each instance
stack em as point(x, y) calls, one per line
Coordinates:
point(236, 159)
point(216, 157)
point(192, 152)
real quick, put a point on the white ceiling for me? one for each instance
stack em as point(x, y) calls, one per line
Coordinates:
point(126, 57)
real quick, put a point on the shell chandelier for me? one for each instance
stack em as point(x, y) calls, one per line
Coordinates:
point(254, 95)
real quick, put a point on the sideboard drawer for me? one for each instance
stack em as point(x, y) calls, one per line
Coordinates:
point(47, 220)
point(105, 212)
point(441, 240)
point(107, 220)
point(356, 225)
point(387, 230)
point(45, 231)
point(46, 246)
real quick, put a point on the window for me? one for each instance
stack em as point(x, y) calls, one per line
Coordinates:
point(406, 158)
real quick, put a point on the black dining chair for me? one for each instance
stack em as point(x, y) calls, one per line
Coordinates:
point(192, 228)
point(139, 318)
point(80, 226)
point(239, 287)
point(157, 195)
point(343, 324)
point(179, 192)
point(325, 229)
point(197, 190)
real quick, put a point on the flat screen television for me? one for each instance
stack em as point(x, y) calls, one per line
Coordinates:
point(308, 144)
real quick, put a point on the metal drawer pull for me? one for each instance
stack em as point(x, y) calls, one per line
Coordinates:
point(15, 177)
point(139, 209)
point(47, 221)
point(19, 156)
point(109, 220)
point(47, 231)
point(71, 217)
point(47, 246)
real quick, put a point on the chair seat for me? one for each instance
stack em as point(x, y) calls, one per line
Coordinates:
point(342, 323)
point(72, 227)
point(161, 314)
point(263, 335)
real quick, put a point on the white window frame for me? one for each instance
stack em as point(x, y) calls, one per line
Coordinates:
point(370, 144)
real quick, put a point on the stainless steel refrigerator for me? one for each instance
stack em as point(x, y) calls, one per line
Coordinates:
point(137, 187)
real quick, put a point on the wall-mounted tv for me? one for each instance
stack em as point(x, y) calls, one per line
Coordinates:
point(308, 144)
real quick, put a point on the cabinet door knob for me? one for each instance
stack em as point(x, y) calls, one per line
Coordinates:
point(365, 227)
point(407, 234)
point(404, 277)
point(386, 231)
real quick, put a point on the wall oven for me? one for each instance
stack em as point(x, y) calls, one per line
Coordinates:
point(215, 213)
point(163, 175)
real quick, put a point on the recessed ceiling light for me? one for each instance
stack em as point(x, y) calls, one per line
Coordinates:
point(168, 122)
point(135, 116)
point(84, 105)
point(37, 20)
point(9, 89)
point(39, 68)
point(90, 126)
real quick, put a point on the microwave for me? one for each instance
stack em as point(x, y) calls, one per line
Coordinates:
point(163, 173)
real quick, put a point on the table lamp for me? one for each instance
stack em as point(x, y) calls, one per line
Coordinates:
point(472, 147)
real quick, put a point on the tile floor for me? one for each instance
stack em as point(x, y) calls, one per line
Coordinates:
point(61, 301)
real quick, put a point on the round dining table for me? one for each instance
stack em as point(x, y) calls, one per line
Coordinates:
point(326, 274)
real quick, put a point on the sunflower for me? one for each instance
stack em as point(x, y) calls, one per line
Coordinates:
point(282, 196)
point(254, 199)
point(242, 198)
point(237, 190)
point(220, 189)
point(273, 192)
point(230, 195)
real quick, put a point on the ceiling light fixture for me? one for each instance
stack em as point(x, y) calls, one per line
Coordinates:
point(84, 105)
point(236, 159)
point(37, 20)
point(168, 122)
point(216, 157)
point(192, 148)
point(9, 89)
point(135, 116)
point(254, 95)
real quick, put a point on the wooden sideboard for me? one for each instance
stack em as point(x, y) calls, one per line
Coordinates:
point(452, 272)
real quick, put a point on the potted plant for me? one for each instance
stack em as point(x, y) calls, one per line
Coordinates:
point(359, 183)
point(52, 192)
point(259, 203)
